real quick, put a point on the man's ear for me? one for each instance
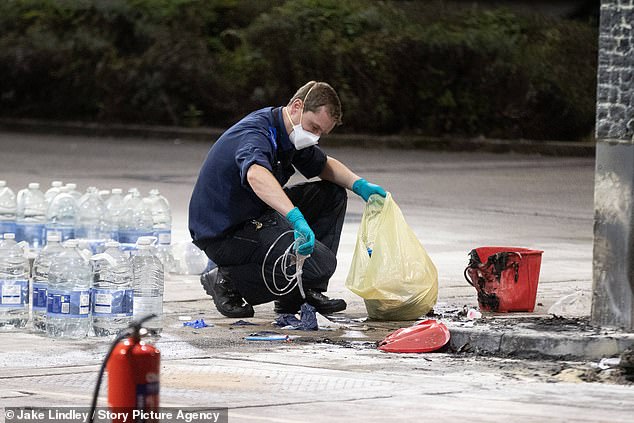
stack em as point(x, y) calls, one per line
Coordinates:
point(296, 105)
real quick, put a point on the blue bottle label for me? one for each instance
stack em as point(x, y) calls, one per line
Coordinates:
point(64, 233)
point(112, 302)
point(7, 226)
point(95, 246)
point(39, 296)
point(163, 236)
point(69, 304)
point(14, 293)
point(113, 234)
point(130, 237)
point(33, 233)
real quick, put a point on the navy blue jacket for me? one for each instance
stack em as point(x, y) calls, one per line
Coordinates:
point(222, 198)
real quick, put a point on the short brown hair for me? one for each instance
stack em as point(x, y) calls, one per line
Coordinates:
point(321, 94)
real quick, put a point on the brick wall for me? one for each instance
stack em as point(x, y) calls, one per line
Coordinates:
point(615, 80)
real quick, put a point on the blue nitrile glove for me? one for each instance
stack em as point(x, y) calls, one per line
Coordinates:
point(302, 230)
point(364, 189)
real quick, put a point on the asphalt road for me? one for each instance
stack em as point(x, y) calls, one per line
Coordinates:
point(454, 201)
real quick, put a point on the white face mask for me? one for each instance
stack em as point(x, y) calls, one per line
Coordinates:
point(300, 137)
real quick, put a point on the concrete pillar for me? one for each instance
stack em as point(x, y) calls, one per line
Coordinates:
point(613, 267)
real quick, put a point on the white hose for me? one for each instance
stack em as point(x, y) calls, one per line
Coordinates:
point(285, 262)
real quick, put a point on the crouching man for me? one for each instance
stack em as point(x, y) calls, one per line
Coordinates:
point(240, 209)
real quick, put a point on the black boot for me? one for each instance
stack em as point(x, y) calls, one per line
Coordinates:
point(322, 303)
point(289, 303)
point(285, 307)
point(227, 300)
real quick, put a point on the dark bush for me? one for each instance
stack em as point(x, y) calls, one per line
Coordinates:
point(465, 72)
point(400, 67)
point(146, 61)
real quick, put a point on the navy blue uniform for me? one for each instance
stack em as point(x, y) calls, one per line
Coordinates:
point(235, 228)
point(222, 197)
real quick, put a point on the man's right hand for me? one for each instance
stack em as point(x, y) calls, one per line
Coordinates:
point(303, 231)
point(364, 189)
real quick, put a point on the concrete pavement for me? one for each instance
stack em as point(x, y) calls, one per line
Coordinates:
point(453, 201)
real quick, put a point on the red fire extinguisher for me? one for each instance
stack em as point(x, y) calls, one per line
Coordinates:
point(133, 375)
point(133, 369)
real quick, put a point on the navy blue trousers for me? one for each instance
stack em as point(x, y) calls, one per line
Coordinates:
point(241, 253)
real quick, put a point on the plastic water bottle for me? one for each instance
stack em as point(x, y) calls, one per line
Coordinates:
point(68, 296)
point(56, 188)
point(104, 194)
point(162, 226)
point(31, 216)
point(112, 294)
point(161, 217)
point(72, 190)
point(41, 267)
point(132, 192)
point(61, 215)
point(148, 285)
point(8, 208)
point(114, 208)
point(91, 222)
point(135, 221)
point(189, 259)
point(14, 284)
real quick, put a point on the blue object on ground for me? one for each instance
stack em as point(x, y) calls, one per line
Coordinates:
point(307, 321)
point(267, 338)
point(196, 324)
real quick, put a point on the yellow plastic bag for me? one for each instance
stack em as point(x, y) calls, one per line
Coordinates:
point(398, 280)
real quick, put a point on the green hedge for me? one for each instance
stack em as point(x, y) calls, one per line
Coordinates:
point(400, 67)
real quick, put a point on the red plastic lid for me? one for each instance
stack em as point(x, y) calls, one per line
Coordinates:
point(426, 336)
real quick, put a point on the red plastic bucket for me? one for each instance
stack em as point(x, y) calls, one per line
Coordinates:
point(505, 278)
